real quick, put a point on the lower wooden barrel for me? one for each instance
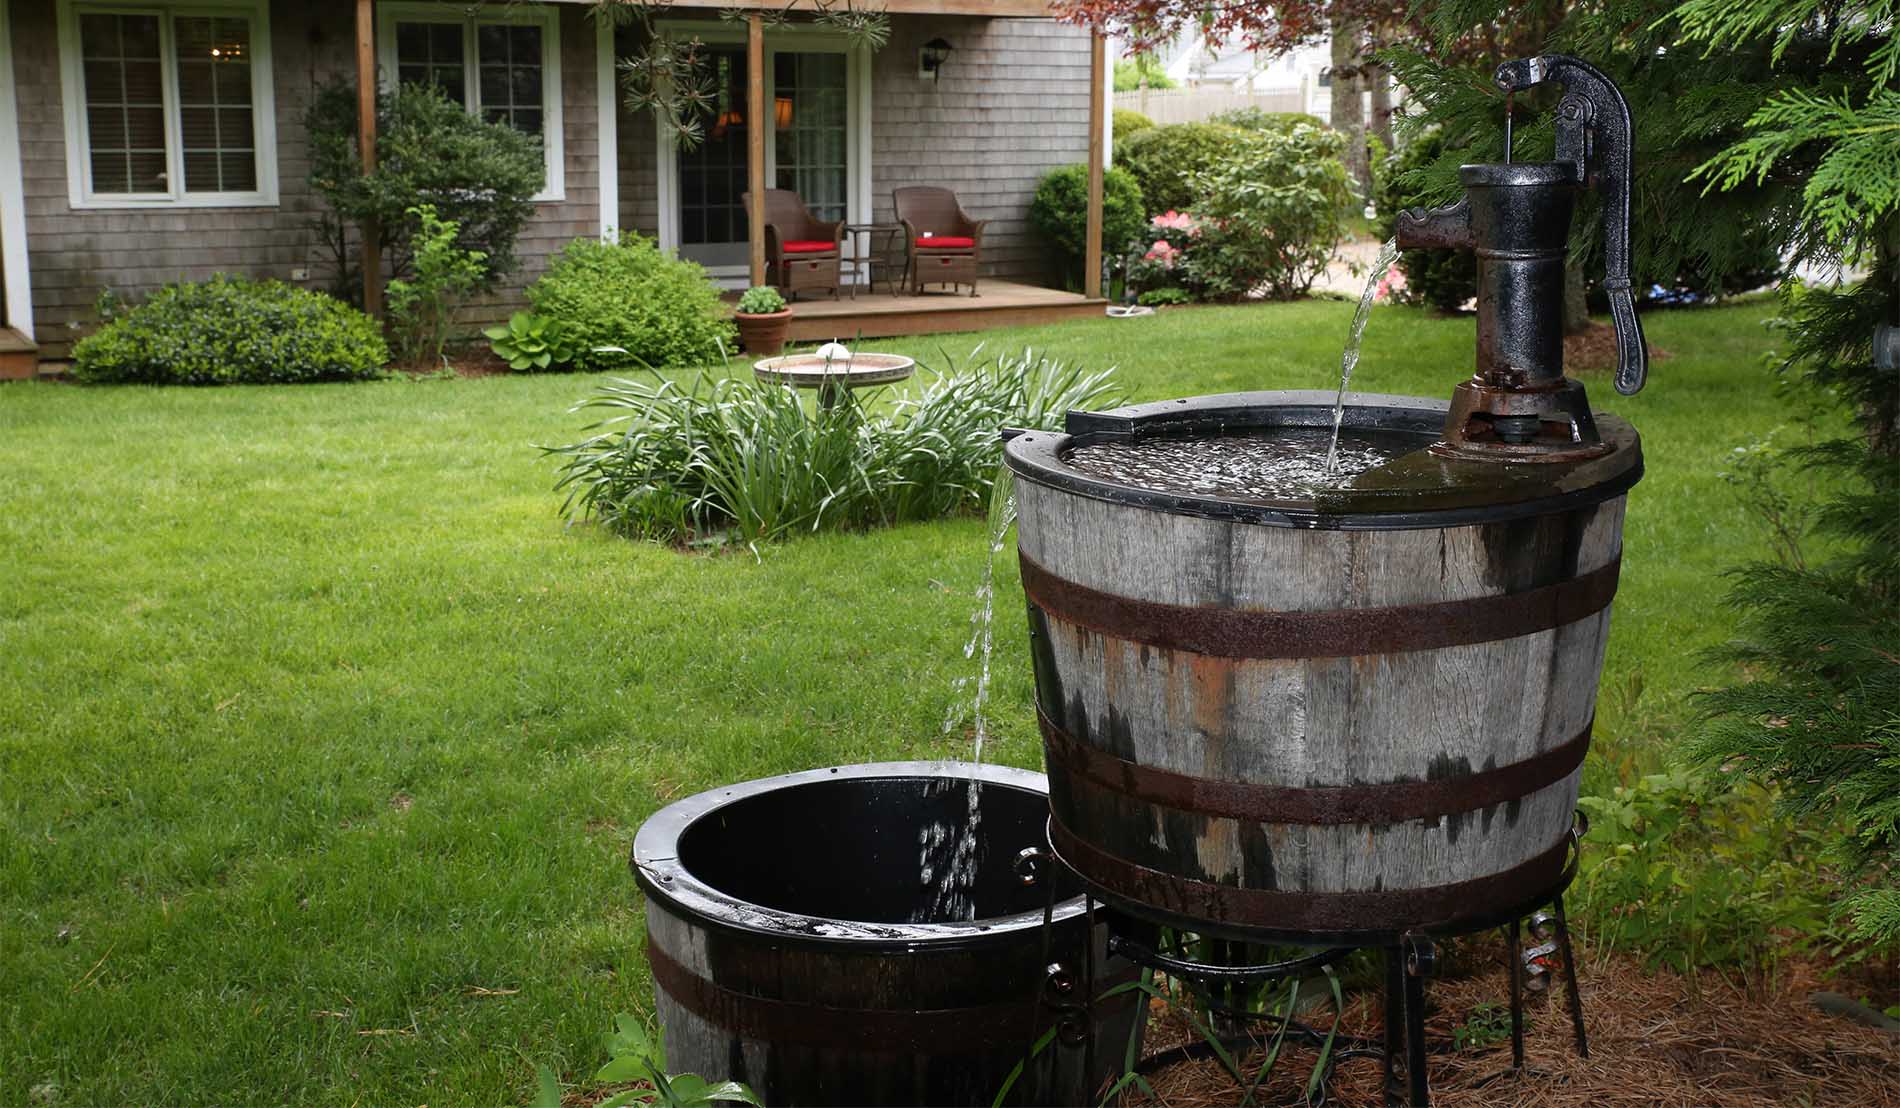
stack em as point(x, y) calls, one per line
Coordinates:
point(1333, 720)
point(780, 936)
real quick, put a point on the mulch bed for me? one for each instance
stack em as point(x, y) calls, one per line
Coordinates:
point(1655, 1039)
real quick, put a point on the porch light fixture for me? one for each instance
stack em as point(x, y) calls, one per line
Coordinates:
point(782, 111)
point(930, 58)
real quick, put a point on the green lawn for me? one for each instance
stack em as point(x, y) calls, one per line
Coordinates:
point(316, 722)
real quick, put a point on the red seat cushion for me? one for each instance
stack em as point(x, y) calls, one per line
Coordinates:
point(808, 246)
point(946, 242)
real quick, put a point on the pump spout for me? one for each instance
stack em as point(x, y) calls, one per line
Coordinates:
point(1444, 228)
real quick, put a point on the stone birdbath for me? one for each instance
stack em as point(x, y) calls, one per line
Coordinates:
point(832, 369)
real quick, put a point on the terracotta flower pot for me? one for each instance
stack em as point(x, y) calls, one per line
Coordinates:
point(763, 335)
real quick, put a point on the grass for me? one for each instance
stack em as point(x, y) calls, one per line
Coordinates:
point(322, 741)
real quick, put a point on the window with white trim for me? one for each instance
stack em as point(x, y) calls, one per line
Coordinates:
point(168, 106)
point(503, 66)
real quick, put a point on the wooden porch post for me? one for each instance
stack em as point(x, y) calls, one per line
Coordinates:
point(366, 137)
point(755, 140)
point(1098, 155)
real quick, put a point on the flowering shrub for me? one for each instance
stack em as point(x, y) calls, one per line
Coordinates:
point(1265, 222)
point(1390, 286)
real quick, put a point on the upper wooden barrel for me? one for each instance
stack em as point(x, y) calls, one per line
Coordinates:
point(1344, 716)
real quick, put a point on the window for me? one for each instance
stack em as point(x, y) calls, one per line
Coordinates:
point(168, 106)
point(504, 66)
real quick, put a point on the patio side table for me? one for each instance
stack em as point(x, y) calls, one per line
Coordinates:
point(877, 246)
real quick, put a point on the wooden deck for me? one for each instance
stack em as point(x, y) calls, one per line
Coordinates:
point(881, 315)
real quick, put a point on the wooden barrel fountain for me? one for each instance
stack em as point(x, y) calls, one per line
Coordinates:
point(1337, 714)
point(800, 944)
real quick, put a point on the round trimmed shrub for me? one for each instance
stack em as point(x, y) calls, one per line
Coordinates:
point(1259, 119)
point(626, 305)
point(1127, 123)
point(1060, 210)
point(230, 330)
point(1165, 160)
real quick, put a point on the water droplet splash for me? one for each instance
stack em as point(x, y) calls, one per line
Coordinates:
point(1349, 357)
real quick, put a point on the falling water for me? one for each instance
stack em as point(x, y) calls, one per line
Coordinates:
point(1349, 358)
point(950, 853)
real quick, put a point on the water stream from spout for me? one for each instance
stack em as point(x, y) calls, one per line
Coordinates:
point(948, 856)
point(1349, 358)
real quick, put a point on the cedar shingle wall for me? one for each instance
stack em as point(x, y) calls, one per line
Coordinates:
point(75, 254)
point(1011, 103)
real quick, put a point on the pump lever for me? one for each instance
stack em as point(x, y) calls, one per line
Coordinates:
point(1594, 133)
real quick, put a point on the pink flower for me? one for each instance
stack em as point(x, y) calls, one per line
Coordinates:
point(1174, 221)
point(1392, 282)
point(1163, 252)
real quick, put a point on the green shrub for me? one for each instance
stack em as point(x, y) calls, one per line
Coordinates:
point(761, 300)
point(422, 310)
point(625, 305)
point(1163, 297)
point(429, 149)
point(1444, 279)
point(1132, 73)
point(1060, 211)
point(1265, 219)
point(1259, 119)
point(230, 330)
point(1164, 160)
point(727, 459)
point(1129, 123)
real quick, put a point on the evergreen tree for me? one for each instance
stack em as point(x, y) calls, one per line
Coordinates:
point(1816, 711)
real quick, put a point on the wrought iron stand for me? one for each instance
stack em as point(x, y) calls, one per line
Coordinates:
point(1411, 956)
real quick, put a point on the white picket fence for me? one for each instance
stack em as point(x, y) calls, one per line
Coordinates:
point(1191, 105)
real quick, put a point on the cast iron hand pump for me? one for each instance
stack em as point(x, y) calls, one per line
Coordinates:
point(1516, 218)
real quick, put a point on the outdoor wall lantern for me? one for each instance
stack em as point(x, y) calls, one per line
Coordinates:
point(931, 56)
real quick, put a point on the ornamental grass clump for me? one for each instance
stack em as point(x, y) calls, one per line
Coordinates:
point(230, 330)
point(713, 460)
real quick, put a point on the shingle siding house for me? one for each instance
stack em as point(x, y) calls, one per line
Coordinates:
point(160, 140)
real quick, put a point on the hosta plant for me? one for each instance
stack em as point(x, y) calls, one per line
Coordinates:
point(761, 300)
point(529, 342)
point(636, 1056)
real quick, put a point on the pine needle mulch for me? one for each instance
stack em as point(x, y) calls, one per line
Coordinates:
point(1655, 1040)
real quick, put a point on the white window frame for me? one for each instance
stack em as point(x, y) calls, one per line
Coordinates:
point(547, 17)
point(793, 39)
point(263, 107)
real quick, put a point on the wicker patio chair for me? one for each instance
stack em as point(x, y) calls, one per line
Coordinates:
point(943, 245)
point(802, 252)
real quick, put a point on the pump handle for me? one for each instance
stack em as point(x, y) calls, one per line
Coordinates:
point(1595, 134)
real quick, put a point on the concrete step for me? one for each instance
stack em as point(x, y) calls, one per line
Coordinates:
point(19, 356)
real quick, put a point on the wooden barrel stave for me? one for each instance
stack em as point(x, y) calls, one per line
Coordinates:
point(1315, 721)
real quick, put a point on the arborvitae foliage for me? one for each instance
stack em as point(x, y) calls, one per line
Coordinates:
point(1816, 709)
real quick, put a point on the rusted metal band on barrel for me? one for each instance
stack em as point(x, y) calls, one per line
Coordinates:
point(1394, 802)
point(1285, 911)
point(939, 1031)
point(1328, 633)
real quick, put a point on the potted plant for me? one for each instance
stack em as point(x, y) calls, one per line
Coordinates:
point(763, 318)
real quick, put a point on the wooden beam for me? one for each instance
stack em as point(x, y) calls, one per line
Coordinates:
point(366, 138)
point(1098, 155)
point(755, 140)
